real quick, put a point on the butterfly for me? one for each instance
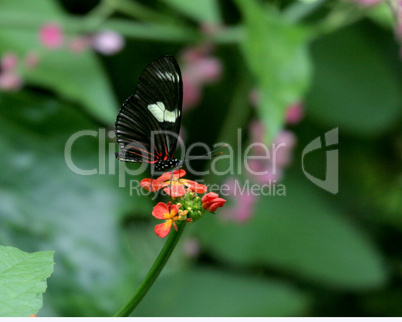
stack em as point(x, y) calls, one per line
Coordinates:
point(148, 124)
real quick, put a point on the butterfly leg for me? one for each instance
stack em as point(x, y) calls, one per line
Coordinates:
point(152, 179)
point(170, 187)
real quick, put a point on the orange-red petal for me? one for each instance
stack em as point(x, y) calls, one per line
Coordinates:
point(175, 190)
point(146, 184)
point(168, 175)
point(162, 230)
point(161, 211)
point(216, 204)
point(195, 186)
point(174, 209)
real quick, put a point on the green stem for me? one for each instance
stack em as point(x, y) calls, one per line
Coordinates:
point(154, 272)
point(340, 17)
point(141, 12)
point(99, 14)
point(74, 25)
point(300, 10)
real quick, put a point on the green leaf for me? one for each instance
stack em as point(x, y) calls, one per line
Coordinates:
point(45, 204)
point(152, 31)
point(276, 53)
point(383, 15)
point(78, 77)
point(41, 8)
point(354, 85)
point(23, 280)
point(205, 11)
point(210, 292)
point(300, 234)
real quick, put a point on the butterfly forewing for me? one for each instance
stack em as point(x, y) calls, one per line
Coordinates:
point(148, 123)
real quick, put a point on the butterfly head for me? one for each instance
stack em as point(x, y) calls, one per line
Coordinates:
point(164, 165)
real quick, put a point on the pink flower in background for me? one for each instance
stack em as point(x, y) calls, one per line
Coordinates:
point(269, 170)
point(268, 174)
point(191, 92)
point(51, 36)
point(8, 62)
point(257, 132)
point(294, 113)
point(396, 7)
point(199, 68)
point(285, 141)
point(241, 206)
point(266, 171)
point(193, 54)
point(367, 2)
point(206, 69)
point(108, 42)
point(10, 81)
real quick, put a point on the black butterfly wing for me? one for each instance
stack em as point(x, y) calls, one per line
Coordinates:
point(151, 118)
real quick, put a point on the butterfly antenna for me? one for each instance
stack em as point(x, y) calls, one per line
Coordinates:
point(209, 154)
point(152, 179)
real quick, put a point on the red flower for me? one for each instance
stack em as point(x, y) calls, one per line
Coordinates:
point(211, 202)
point(173, 185)
point(168, 212)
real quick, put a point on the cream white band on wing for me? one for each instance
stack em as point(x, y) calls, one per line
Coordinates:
point(159, 111)
point(168, 76)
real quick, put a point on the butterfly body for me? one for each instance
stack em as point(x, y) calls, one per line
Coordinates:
point(147, 126)
point(168, 164)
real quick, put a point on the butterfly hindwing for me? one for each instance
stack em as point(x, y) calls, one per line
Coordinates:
point(147, 118)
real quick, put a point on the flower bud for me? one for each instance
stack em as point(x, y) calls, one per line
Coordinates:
point(183, 215)
point(294, 113)
point(211, 202)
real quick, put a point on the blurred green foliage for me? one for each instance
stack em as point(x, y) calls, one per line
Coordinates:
point(309, 253)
